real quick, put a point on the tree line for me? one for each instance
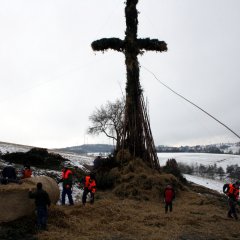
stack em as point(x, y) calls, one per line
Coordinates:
point(211, 171)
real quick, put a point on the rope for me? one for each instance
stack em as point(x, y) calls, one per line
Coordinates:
point(195, 105)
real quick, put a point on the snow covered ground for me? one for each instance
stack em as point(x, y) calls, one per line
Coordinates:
point(206, 182)
point(6, 147)
point(222, 160)
point(77, 159)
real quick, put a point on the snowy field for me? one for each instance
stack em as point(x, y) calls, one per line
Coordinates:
point(6, 147)
point(77, 159)
point(216, 185)
point(221, 160)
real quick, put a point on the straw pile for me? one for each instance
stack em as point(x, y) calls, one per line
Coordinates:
point(14, 197)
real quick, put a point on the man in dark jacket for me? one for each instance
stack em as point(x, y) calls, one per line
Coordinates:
point(232, 191)
point(169, 196)
point(9, 175)
point(42, 200)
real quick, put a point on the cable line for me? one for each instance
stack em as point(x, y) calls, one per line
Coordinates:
point(192, 103)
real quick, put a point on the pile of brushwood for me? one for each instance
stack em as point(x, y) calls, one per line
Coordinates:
point(133, 178)
point(36, 157)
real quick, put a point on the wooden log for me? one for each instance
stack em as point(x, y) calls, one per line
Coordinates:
point(14, 199)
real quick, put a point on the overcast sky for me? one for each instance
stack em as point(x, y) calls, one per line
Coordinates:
point(51, 80)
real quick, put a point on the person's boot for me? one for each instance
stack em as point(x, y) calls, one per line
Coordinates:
point(235, 216)
point(229, 215)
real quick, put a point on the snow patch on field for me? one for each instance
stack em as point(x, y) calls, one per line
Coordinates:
point(206, 159)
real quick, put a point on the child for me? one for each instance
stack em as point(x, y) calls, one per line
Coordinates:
point(169, 196)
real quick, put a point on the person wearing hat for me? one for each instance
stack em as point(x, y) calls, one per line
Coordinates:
point(66, 185)
point(89, 187)
point(232, 191)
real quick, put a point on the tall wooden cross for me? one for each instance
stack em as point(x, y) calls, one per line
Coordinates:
point(137, 133)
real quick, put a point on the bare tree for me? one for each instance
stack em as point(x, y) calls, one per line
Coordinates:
point(108, 119)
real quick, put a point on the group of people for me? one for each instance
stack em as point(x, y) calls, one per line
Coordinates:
point(88, 182)
point(9, 174)
point(230, 189)
point(42, 200)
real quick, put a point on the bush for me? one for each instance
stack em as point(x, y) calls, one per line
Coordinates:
point(104, 164)
point(233, 171)
point(172, 167)
point(37, 157)
point(105, 176)
point(105, 180)
point(186, 169)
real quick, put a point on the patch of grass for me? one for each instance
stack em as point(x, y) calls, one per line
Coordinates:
point(21, 229)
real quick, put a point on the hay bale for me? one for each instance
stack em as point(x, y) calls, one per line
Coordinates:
point(14, 197)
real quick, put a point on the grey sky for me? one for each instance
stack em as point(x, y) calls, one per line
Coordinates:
point(51, 80)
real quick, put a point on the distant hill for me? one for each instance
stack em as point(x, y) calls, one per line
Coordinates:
point(13, 147)
point(89, 148)
point(227, 148)
point(85, 148)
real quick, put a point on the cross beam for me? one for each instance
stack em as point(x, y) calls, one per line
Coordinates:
point(120, 45)
point(138, 135)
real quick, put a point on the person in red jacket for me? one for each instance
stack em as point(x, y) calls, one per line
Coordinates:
point(27, 172)
point(169, 196)
point(89, 187)
point(232, 191)
point(66, 185)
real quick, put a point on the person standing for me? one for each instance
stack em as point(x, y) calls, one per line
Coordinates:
point(67, 178)
point(42, 201)
point(232, 191)
point(169, 196)
point(27, 172)
point(89, 187)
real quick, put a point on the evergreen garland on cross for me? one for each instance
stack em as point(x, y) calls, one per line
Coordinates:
point(137, 132)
